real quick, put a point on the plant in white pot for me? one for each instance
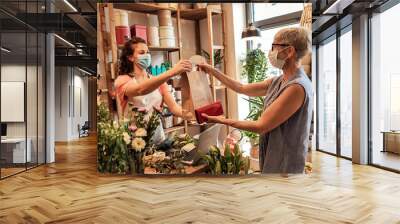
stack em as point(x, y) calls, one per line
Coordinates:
point(254, 70)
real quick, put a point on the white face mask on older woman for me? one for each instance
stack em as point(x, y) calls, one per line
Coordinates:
point(274, 60)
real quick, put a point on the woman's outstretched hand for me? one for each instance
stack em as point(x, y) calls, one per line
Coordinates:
point(214, 119)
point(182, 66)
point(206, 68)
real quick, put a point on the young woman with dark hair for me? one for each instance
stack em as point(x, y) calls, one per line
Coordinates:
point(135, 85)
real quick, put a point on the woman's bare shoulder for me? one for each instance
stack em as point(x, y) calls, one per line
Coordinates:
point(121, 79)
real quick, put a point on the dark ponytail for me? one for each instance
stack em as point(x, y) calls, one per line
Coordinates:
point(125, 65)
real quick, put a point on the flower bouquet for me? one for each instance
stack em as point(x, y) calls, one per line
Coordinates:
point(122, 145)
point(140, 137)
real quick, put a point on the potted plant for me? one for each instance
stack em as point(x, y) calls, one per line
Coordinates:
point(218, 58)
point(226, 162)
point(254, 70)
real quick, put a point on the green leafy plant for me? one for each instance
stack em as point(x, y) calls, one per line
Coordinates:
point(227, 162)
point(254, 70)
point(255, 66)
point(112, 152)
point(218, 57)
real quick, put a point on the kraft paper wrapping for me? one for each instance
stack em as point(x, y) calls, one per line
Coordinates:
point(196, 92)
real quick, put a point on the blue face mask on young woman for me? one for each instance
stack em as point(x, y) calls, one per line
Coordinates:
point(144, 61)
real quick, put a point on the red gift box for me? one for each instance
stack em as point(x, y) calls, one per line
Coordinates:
point(214, 109)
point(122, 34)
point(139, 31)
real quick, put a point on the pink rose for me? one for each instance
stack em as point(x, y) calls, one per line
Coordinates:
point(132, 127)
point(142, 109)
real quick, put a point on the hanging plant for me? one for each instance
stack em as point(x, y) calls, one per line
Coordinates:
point(254, 70)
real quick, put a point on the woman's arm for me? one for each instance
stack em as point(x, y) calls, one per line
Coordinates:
point(175, 108)
point(149, 85)
point(252, 89)
point(278, 112)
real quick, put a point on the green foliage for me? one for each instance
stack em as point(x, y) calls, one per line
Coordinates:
point(181, 140)
point(103, 115)
point(255, 66)
point(228, 163)
point(112, 152)
point(255, 70)
point(218, 57)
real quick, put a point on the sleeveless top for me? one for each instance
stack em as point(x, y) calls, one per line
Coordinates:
point(150, 101)
point(283, 149)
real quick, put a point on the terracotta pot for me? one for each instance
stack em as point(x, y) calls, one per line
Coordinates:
point(254, 151)
point(164, 18)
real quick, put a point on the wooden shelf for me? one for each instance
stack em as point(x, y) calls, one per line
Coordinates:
point(197, 14)
point(150, 8)
point(218, 47)
point(175, 128)
point(167, 49)
point(220, 87)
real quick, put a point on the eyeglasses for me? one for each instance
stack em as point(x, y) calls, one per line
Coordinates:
point(282, 45)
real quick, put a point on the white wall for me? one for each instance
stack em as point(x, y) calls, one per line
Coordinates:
point(67, 115)
point(34, 125)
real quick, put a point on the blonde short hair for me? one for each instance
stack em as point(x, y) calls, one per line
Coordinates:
point(298, 37)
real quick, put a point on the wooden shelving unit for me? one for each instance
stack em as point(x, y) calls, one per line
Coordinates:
point(198, 14)
point(187, 14)
point(217, 87)
point(150, 8)
point(166, 49)
point(218, 47)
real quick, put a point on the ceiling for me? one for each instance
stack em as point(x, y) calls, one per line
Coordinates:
point(20, 17)
point(332, 15)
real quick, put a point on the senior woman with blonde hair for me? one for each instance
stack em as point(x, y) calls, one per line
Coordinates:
point(284, 125)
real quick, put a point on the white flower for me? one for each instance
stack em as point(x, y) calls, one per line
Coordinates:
point(140, 132)
point(158, 156)
point(138, 144)
point(127, 137)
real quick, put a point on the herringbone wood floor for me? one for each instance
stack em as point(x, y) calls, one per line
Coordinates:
point(70, 191)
